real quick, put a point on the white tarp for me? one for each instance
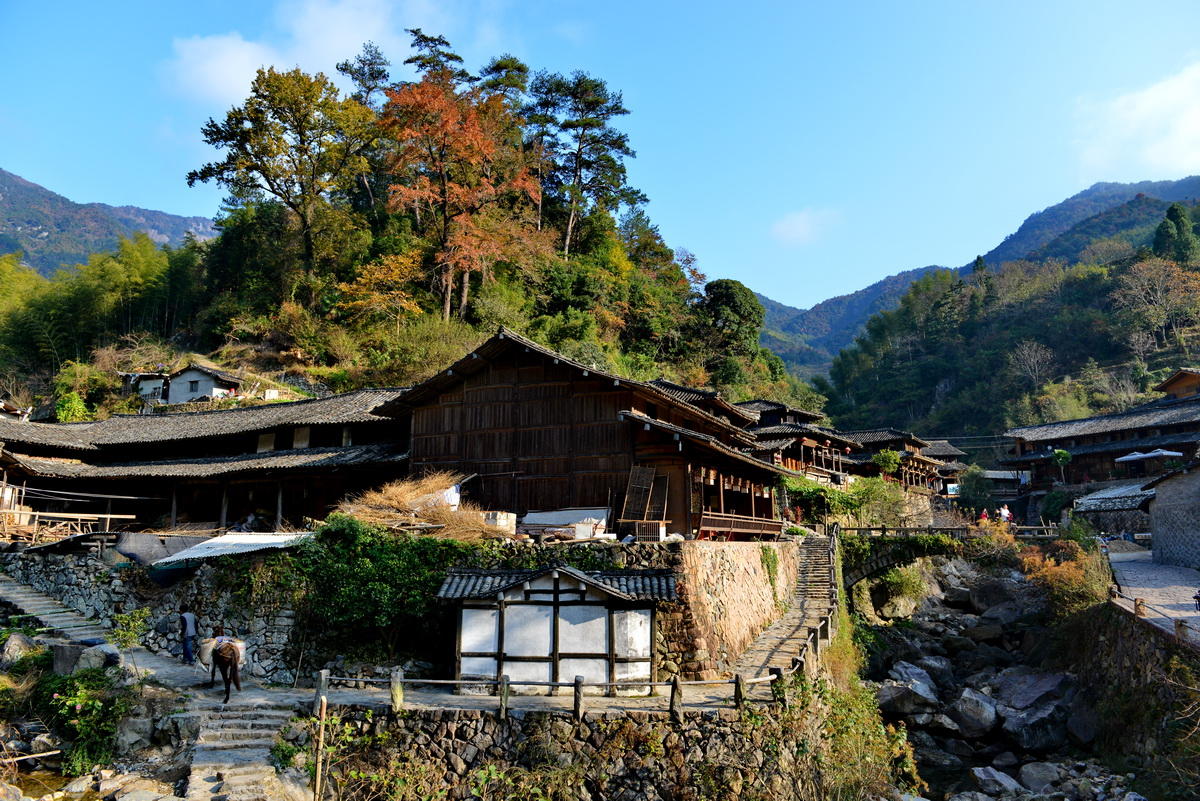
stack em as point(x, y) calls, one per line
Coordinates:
point(229, 544)
point(582, 523)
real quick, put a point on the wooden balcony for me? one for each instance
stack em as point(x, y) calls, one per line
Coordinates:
point(718, 526)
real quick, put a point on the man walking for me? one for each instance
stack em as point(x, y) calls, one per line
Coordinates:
point(187, 627)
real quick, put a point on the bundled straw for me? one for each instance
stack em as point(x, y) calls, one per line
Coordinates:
point(412, 502)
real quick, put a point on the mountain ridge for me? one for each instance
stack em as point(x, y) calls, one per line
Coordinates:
point(807, 339)
point(52, 231)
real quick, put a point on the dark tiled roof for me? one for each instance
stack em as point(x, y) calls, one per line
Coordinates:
point(772, 444)
point(1118, 498)
point(212, 371)
point(761, 406)
point(630, 585)
point(952, 467)
point(76, 436)
point(695, 397)
point(874, 436)
point(940, 448)
point(1162, 412)
point(298, 459)
point(804, 429)
point(352, 407)
point(706, 440)
point(1122, 446)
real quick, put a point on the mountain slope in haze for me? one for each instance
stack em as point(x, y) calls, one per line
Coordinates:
point(52, 231)
point(807, 339)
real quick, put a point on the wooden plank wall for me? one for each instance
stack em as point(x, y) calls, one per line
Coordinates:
point(540, 435)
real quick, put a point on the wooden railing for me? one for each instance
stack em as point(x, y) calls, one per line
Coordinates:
point(32, 526)
point(958, 532)
point(717, 525)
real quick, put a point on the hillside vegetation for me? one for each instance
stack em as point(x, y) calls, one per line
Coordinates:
point(370, 239)
point(807, 339)
point(1033, 341)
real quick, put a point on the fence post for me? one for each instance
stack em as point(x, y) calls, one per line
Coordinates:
point(676, 700)
point(1139, 607)
point(320, 711)
point(778, 689)
point(579, 697)
point(739, 690)
point(322, 688)
point(397, 688)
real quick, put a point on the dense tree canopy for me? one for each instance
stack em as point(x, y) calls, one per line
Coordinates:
point(370, 237)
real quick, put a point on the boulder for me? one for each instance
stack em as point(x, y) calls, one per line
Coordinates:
point(959, 748)
point(907, 672)
point(66, 657)
point(1037, 776)
point(98, 656)
point(984, 633)
point(944, 724)
point(133, 734)
point(1131, 796)
point(1021, 687)
point(939, 667)
point(993, 782)
point(937, 758)
point(956, 643)
point(987, 594)
point(9, 792)
point(957, 597)
point(1005, 759)
point(16, 646)
point(43, 743)
point(1003, 614)
point(971, 796)
point(80, 785)
point(901, 699)
point(974, 712)
point(1039, 729)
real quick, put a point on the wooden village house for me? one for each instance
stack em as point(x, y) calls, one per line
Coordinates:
point(1141, 441)
point(279, 462)
point(540, 431)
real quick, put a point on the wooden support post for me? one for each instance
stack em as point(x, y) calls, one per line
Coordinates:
point(676, 700)
point(504, 696)
point(322, 688)
point(578, 698)
point(396, 685)
point(224, 505)
point(108, 515)
point(778, 689)
point(174, 506)
point(321, 706)
point(1139, 607)
point(721, 493)
point(279, 506)
point(739, 690)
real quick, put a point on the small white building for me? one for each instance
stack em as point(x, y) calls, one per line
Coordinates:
point(196, 382)
point(553, 624)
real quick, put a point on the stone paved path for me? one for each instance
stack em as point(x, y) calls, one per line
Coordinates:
point(1167, 588)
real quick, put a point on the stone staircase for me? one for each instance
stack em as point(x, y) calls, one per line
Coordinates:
point(776, 646)
point(231, 757)
point(231, 760)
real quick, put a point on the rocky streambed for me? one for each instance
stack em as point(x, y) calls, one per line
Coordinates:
point(962, 669)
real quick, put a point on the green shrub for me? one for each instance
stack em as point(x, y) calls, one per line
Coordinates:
point(903, 582)
point(86, 707)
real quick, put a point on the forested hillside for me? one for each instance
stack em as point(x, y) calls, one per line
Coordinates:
point(52, 231)
point(370, 239)
point(808, 338)
point(1031, 341)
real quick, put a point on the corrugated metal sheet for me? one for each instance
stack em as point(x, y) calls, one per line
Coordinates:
point(631, 585)
point(231, 545)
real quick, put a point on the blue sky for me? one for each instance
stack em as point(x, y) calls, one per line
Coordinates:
point(804, 148)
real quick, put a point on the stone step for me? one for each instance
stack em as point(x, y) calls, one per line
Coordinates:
point(224, 724)
point(245, 734)
point(246, 743)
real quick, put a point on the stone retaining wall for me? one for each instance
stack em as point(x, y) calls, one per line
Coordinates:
point(621, 756)
point(97, 589)
point(1128, 665)
point(1173, 520)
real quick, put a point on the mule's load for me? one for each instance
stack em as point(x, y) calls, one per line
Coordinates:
point(207, 645)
